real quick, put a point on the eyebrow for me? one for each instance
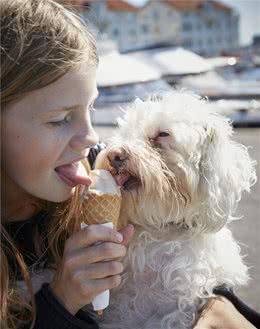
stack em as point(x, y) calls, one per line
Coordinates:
point(64, 109)
point(69, 108)
point(45, 115)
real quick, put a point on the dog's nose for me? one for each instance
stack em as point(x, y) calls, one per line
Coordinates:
point(116, 158)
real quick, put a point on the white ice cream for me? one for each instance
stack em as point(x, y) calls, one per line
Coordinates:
point(103, 182)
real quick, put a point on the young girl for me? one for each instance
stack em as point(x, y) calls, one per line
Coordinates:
point(48, 87)
point(48, 64)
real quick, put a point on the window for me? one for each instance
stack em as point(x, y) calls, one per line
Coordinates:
point(115, 32)
point(200, 43)
point(144, 28)
point(156, 15)
point(157, 29)
point(229, 23)
point(209, 24)
point(187, 26)
point(187, 43)
point(132, 32)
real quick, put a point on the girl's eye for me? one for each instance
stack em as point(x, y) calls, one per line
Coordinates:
point(65, 120)
point(163, 134)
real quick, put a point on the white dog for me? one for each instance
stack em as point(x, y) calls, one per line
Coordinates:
point(182, 177)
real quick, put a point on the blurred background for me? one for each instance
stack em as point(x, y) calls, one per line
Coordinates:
point(209, 47)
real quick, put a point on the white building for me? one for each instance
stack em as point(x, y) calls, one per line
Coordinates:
point(134, 27)
point(206, 27)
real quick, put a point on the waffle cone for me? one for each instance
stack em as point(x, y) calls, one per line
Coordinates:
point(101, 208)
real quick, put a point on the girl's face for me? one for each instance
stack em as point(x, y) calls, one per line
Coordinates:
point(46, 130)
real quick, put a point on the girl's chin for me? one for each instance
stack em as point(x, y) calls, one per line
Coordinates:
point(62, 196)
point(67, 196)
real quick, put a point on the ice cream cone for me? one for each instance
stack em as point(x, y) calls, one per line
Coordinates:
point(99, 209)
point(102, 200)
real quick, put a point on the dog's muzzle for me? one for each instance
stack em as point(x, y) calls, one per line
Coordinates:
point(118, 162)
point(116, 158)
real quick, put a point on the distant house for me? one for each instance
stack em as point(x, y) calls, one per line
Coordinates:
point(207, 27)
point(134, 27)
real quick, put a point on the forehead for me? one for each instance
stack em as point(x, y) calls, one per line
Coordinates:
point(77, 86)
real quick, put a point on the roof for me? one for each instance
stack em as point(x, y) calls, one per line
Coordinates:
point(120, 5)
point(196, 4)
point(220, 5)
point(123, 5)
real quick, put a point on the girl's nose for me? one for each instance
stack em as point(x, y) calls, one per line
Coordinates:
point(85, 139)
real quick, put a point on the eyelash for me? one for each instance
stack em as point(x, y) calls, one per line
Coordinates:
point(61, 122)
point(68, 117)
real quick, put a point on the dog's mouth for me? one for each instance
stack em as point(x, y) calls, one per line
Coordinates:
point(126, 181)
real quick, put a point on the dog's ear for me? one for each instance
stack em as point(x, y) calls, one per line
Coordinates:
point(226, 171)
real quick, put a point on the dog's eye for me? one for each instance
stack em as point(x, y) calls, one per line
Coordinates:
point(163, 134)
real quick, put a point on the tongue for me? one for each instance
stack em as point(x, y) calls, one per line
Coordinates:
point(75, 172)
point(121, 179)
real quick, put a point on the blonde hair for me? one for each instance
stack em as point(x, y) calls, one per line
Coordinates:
point(40, 42)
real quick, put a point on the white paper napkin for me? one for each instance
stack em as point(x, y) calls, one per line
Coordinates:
point(102, 300)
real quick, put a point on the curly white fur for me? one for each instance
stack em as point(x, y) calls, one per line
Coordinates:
point(190, 183)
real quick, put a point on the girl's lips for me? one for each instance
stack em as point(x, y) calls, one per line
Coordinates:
point(73, 174)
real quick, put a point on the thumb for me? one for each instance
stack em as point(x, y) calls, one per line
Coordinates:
point(127, 233)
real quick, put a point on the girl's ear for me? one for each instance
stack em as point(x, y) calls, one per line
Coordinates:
point(226, 172)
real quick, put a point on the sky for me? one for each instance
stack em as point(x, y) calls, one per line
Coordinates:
point(249, 17)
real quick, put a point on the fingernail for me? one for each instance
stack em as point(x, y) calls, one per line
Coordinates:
point(119, 237)
point(132, 226)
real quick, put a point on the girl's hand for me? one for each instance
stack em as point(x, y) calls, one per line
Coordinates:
point(220, 313)
point(87, 270)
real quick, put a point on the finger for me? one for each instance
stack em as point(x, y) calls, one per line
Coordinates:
point(91, 234)
point(206, 317)
point(101, 270)
point(128, 233)
point(202, 323)
point(97, 253)
point(101, 285)
point(106, 251)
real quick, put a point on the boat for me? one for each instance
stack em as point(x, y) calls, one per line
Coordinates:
point(216, 86)
point(121, 79)
point(174, 62)
point(242, 113)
